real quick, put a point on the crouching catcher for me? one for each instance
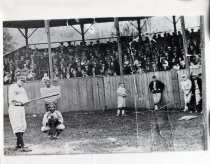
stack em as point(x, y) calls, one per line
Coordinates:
point(53, 122)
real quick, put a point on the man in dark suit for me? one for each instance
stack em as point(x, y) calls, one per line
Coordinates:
point(156, 87)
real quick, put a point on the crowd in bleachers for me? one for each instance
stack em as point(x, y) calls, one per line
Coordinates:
point(157, 52)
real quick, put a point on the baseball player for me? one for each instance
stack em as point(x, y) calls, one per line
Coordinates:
point(17, 100)
point(50, 90)
point(121, 97)
point(156, 87)
point(52, 122)
point(186, 86)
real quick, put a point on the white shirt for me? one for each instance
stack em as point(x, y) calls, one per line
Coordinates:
point(186, 85)
point(121, 91)
point(17, 93)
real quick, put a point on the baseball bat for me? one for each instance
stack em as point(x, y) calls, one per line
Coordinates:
point(39, 98)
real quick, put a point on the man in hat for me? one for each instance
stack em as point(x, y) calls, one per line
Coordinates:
point(156, 87)
point(186, 86)
point(17, 100)
point(196, 93)
point(121, 97)
point(50, 90)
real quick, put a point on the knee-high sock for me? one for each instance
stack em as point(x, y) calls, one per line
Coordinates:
point(20, 139)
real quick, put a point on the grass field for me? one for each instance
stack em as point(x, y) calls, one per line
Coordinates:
point(103, 132)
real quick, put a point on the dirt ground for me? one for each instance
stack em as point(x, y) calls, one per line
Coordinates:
point(103, 132)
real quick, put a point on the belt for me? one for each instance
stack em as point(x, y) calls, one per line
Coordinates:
point(19, 105)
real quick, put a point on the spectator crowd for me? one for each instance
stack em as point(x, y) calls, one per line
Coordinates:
point(159, 52)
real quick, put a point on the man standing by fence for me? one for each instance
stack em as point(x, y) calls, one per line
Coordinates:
point(121, 97)
point(156, 87)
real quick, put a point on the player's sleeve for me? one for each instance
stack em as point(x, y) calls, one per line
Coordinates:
point(45, 120)
point(60, 117)
point(119, 93)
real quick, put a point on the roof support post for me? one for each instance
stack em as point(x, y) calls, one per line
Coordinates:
point(47, 28)
point(116, 23)
point(174, 23)
point(26, 36)
point(139, 28)
point(82, 32)
point(184, 42)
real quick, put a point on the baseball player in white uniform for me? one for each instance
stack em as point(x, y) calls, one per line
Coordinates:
point(186, 86)
point(121, 98)
point(17, 100)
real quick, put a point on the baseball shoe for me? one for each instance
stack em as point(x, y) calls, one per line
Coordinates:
point(124, 115)
point(117, 115)
point(17, 148)
point(25, 150)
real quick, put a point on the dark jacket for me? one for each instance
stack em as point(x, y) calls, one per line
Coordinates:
point(159, 86)
point(199, 81)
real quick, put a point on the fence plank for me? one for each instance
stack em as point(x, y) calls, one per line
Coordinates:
point(101, 92)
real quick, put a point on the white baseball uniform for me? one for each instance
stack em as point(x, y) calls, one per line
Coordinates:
point(121, 92)
point(16, 111)
point(186, 87)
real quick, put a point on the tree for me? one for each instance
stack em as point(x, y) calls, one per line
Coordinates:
point(8, 42)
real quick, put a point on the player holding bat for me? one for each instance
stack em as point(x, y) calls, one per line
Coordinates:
point(52, 122)
point(17, 100)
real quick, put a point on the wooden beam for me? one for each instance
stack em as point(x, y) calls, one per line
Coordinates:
point(75, 29)
point(203, 82)
point(139, 28)
point(133, 24)
point(88, 28)
point(184, 42)
point(21, 33)
point(174, 23)
point(47, 27)
point(144, 23)
point(116, 23)
point(82, 32)
point(32, 32)
point(26, 36)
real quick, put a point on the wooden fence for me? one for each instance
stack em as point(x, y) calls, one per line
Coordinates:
point(99, 93)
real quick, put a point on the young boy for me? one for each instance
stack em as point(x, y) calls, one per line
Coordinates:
point(121, 95)
point(52, 122)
